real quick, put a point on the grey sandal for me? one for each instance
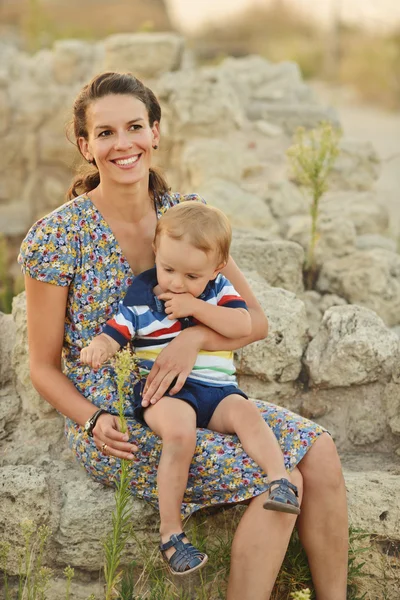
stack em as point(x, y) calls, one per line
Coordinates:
point(283, 497)
point(186, 559)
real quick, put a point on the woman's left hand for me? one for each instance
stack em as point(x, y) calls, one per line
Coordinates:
point(175, 361)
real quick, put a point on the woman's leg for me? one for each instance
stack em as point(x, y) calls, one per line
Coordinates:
point(258, 549)
point(323, 525)
point(175, 422)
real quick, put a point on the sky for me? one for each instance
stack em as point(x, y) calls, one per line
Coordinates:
point(188, 15)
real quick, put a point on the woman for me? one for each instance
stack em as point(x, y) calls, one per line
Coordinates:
point(78, 262)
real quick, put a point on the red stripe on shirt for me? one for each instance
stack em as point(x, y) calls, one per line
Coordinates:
point(121, 328)
point(226, 299)
point(167, 330)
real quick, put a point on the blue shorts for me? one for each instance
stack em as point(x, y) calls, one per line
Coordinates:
point(204, 399)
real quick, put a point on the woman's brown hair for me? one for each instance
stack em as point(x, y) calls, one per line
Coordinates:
point(102, 85)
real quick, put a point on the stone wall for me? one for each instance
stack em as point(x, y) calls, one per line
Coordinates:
point(332, 354)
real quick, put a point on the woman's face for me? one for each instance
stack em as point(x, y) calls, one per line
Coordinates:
point(120, 139)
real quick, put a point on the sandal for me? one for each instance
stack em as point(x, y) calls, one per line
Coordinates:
point(283, 497)
point(186, 559)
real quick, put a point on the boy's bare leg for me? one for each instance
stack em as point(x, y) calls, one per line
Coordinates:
point(175, 422)
point(237, 415)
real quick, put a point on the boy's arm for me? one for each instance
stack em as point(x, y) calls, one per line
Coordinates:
point(229, 322)
point(117, 332)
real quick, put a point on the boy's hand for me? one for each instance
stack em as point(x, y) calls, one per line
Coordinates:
point(179, 305)
point(98, 351)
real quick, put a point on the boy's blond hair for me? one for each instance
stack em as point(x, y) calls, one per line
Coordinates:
point(205, 227)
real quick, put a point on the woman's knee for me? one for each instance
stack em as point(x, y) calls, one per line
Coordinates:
point(297, 479)
point(321, 464)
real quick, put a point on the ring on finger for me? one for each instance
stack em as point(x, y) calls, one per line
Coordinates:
point(104, 448)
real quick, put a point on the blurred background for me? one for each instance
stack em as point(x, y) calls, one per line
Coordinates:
point(350, 42)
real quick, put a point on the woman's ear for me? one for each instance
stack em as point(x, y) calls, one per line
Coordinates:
point(155, 133)
point(84, 149)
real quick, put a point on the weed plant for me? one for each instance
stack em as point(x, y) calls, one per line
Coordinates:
point(312, 157)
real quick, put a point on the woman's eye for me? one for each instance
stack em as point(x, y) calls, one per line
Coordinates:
point(135, 127)
point(105, 133)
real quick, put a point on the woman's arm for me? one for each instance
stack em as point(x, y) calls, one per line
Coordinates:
point(177, 359)
point(46, 306)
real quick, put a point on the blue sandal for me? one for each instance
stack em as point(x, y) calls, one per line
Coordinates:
point(283, 497)
point(186, 559)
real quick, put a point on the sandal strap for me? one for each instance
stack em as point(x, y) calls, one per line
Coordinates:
point(284, 482)
point(185, 557)
point(174, 539)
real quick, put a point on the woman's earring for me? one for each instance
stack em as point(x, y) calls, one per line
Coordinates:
point(155, 147)
point(90, 161)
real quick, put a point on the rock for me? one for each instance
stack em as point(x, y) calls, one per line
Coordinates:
point(278, 357)
point(268, 129)
point(280, 263)
point(357, 167)
point(374, 240)
point(244, 210)
point(286, 199)
point(196, 102)
point(352, 347)
point(363, 209)
point(204, 159)
point(24, 495)
point(291, 115)
point(7, 340)
point(370, 278)
point(72, 61)
point(5, 111)
point(392, 406)
point(146, 55)
point(335, 236)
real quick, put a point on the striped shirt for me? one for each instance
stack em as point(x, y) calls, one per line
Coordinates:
point(141, 318)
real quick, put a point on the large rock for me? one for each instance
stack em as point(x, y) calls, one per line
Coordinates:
point(146, 55)
point(203, 159)
point(196, 102)
point(279, 262)
point(357, 167)
point(336, 236)
point(73, 60)
point(370, 278)
point(278, 357)
point(363, 209)
point(352, 347)
point(244, 209)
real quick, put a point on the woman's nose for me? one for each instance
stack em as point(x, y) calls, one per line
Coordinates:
point(122, 141)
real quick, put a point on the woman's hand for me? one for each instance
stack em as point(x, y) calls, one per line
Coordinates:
point(175, 361)
point(110, 440)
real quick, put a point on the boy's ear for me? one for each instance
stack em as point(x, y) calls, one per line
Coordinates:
point(218, 269)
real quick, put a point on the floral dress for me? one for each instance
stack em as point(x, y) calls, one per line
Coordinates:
point(73, 246)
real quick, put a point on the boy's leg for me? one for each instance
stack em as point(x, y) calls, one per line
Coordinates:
point(237, 415)
point(175, 422)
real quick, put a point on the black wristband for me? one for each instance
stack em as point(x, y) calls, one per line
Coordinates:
point(91, 423)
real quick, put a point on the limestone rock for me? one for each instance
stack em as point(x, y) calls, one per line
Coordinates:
point(72, 61)
point(279, 262)
point(286, 199)
point(392, 406)
point(146, 55)
point(204, 159)
point(370, 278)
point(363, 209)
point(7, 340)
point(278, 357)
point(336, 236)
point(357, 166)
point(196, 103)
point(244, 210)
point(352, 347)
point(24, 494)
point(368, 241)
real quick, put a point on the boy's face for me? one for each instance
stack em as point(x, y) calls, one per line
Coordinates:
point(183, 268)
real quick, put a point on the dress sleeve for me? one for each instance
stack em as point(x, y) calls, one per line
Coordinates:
point(227, 295)
point(122, 328)
point(192, 198)
point(50, 251)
